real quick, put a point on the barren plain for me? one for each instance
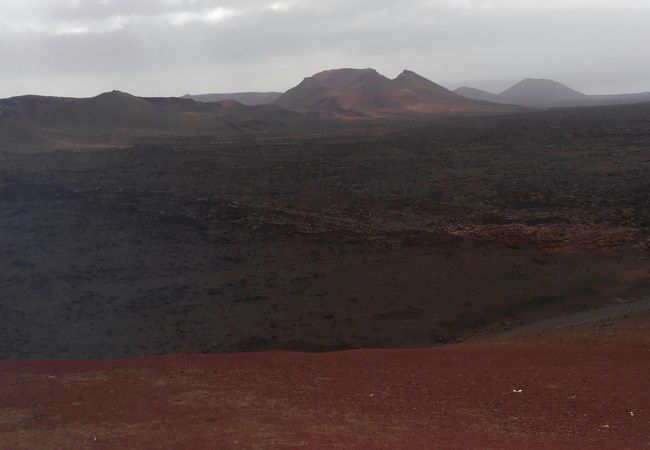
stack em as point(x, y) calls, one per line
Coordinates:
point(393, 233)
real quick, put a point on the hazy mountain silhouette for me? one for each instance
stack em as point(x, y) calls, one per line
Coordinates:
point(114, 110)
point(367, 93)
point(245, 98)
point(478, 94)
point(542, 93)
point(117, 118)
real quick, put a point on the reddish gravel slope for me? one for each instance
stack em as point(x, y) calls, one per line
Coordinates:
point(587, 396)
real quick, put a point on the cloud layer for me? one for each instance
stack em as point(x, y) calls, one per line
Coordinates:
point(171, 47)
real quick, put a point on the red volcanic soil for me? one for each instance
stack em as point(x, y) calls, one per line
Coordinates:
point(498, 395)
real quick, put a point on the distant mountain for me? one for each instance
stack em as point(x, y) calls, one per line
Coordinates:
point(367, 93)
point(478, 94)
point(113, 110)
point(541, 93)
point(245, 98)
point(116, 118)
point(618, 99)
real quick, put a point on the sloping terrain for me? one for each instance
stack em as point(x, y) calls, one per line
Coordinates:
point(583, 387)
point(417, 232)
point(118, 119)
point(31, 105)
point(16, 137)
point(592, 395)
point(620, 99)
point(479, 94)
point(110, 110)
point(383, 234)
point(366, 93)
point(541, 93)
point(245, 98)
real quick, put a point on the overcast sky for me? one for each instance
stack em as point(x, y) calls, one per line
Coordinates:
point(174, 47)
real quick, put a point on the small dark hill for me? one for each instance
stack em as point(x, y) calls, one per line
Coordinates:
point(619, 99)
point(34, 123)
point(114, 110)
point(31, 105)
point(245, 98)
point(478, 94)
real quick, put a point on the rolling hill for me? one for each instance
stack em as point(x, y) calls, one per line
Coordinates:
point(540, 92)
point(366, 93)
point(114, 110)
point(245, 98)
point(478, 94)
point(117, 118)
point(543, 93)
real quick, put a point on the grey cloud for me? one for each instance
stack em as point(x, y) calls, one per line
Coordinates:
point(172, 47)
